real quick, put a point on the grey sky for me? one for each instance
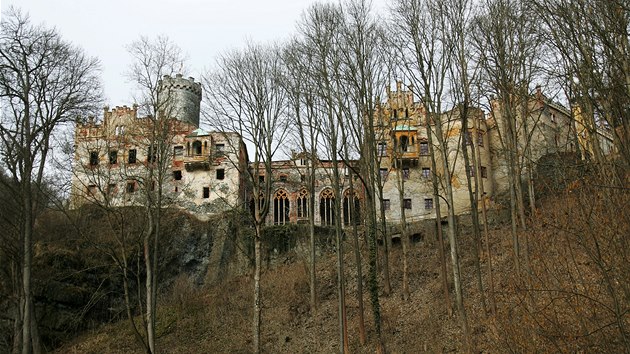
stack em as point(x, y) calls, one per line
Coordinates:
point(203, 29)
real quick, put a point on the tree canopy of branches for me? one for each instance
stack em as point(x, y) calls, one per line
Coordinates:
point(44, 83)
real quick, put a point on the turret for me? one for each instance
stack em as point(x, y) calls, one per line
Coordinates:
point(182, 97)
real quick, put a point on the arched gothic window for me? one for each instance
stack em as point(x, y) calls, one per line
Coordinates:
point(351, 210)
point(281, 207)
point(326, 207)
point(302, 204)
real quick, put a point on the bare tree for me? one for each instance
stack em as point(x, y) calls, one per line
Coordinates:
point(426, 58)
point(152, 60)
point(306, 117)
point(246, 96)
point(44, 83)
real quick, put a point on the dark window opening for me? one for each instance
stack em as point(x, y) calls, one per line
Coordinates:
point(405, 173)
point(424, 148)
point(93, 158)
point(178, 151)
point(206, 192)
point(220, 173)
point(407, 203)
point(428, 203)
point(383, 172)
point(261, 179)
point(387, 204)
point(151, 154)
point(196, 147)
point(177, 175)
point(113, 157)
point(484, 172)
point(132, 156)
point(283, 178)
point(404, 143)
point(426, 172)
point(131, 186)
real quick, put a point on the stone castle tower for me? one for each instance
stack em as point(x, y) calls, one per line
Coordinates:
point(182, 98)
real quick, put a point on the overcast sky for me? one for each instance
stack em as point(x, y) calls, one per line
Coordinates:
point(202, 28)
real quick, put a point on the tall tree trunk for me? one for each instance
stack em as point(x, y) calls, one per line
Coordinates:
point(357, 258)
point(257, 289)
point(150, 315)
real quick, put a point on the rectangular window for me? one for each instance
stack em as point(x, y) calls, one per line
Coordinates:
point(206, 192)
point(468, 138)
point(426, 172)
point(424, 148)
point(131, 186)
point(480, 138)
point(177, 175)
point(383, 172)
point(220, 173)
point(113, 157)
point(111, 188)
point(178, 151)
point(151, 154)
point(405, 173)
point(93, 158)
point(428, 203)
point(219, 148)
point(283, 178)
point(132, 156)
point(407, 203)
point(382, 149)
point(484, 172)
point(261, 179)
point(386, 204)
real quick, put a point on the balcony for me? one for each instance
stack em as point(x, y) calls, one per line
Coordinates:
point(197, 163)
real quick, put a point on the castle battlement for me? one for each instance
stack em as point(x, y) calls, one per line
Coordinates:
point(180, 83)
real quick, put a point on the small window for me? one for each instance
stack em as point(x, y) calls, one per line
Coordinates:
point(383, 172)
point(405, 173)
point(177, 175)
point(178, 151)
point(113, 157)
point(407, 203)
point(426, 172)
point(468, 138)
point(132, 156)
point(428, 203)
point(111, 188)
point(382, 149)
point(424, 148)
point(261, 179)
point(93, 158)
point(484, 172)
point(219, 147)
point(283, 178)
point(131, 186)
point(206, 192)
point(196, 145)
point(220, 173)
point(480, 138)
point(151, 154)
point(386, 204)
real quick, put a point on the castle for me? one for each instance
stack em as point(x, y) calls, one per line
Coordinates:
point(204, 171)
